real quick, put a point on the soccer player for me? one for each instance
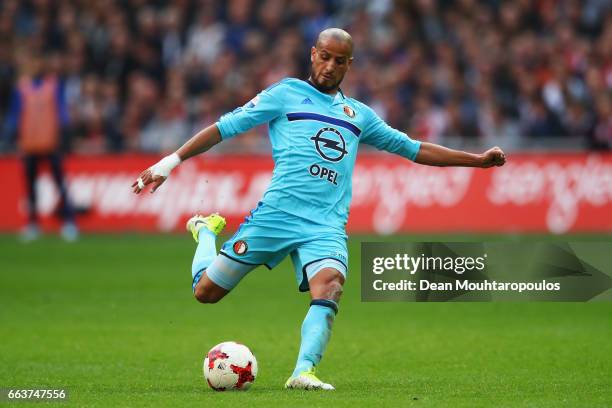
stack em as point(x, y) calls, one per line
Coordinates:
point(315, 131)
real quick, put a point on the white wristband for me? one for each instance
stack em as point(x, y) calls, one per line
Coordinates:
point(165, 165)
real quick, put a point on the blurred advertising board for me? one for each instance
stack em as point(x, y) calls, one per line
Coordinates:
point(556, 193)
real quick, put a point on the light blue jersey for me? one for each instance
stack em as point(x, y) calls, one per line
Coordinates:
point(315, 138)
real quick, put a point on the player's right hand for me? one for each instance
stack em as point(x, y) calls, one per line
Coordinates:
point(146, 178)
point(156, 174)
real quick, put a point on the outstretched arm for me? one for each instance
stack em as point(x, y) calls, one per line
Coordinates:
point(200, 142)
point(265, 107)
point(436, 155)
point(384, 137)
point(157, 174)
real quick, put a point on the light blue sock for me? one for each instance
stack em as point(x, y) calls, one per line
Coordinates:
point(316, 331)
point(204, 255)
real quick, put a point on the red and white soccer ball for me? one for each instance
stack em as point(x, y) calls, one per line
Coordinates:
point(230, 366)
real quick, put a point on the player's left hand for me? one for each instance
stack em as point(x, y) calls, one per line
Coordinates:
point(146, 178)
point(493, 157)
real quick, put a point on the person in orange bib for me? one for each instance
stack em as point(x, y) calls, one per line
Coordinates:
point(37, 116)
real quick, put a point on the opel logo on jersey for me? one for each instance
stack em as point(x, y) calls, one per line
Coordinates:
point(330, 144)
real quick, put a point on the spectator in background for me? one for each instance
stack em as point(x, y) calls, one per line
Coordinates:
point(168, 127)
point(498, 129)
point(37, 116)
point(538, 121)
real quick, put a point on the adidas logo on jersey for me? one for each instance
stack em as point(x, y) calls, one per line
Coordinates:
point(307, 101)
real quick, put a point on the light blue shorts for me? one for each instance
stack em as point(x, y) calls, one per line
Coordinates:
point(268, 235)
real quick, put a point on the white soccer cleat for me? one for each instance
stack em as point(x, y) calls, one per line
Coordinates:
point(307, 380)
point(214, 223)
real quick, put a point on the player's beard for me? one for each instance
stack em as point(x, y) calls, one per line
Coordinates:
point(324, 88)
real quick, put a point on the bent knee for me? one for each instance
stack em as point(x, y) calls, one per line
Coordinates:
point(327, 284)
point(334, 290)
point(331, 278)
point(205, 296)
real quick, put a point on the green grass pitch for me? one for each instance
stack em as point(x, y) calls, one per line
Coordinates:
point(112, 319)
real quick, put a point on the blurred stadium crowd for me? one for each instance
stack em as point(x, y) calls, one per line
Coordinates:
point(144, 75)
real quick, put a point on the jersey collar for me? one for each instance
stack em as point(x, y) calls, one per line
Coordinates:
point(338, 98)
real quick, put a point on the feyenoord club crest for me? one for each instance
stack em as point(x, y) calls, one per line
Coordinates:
point(348, 111)
point(240, 247)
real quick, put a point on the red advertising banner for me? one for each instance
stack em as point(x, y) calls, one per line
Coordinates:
point(532, 193)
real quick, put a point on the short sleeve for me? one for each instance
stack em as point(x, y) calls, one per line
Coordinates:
point(382, 136)
point(264, 107)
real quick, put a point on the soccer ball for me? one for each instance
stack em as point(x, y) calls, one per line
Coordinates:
point(230, 366)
